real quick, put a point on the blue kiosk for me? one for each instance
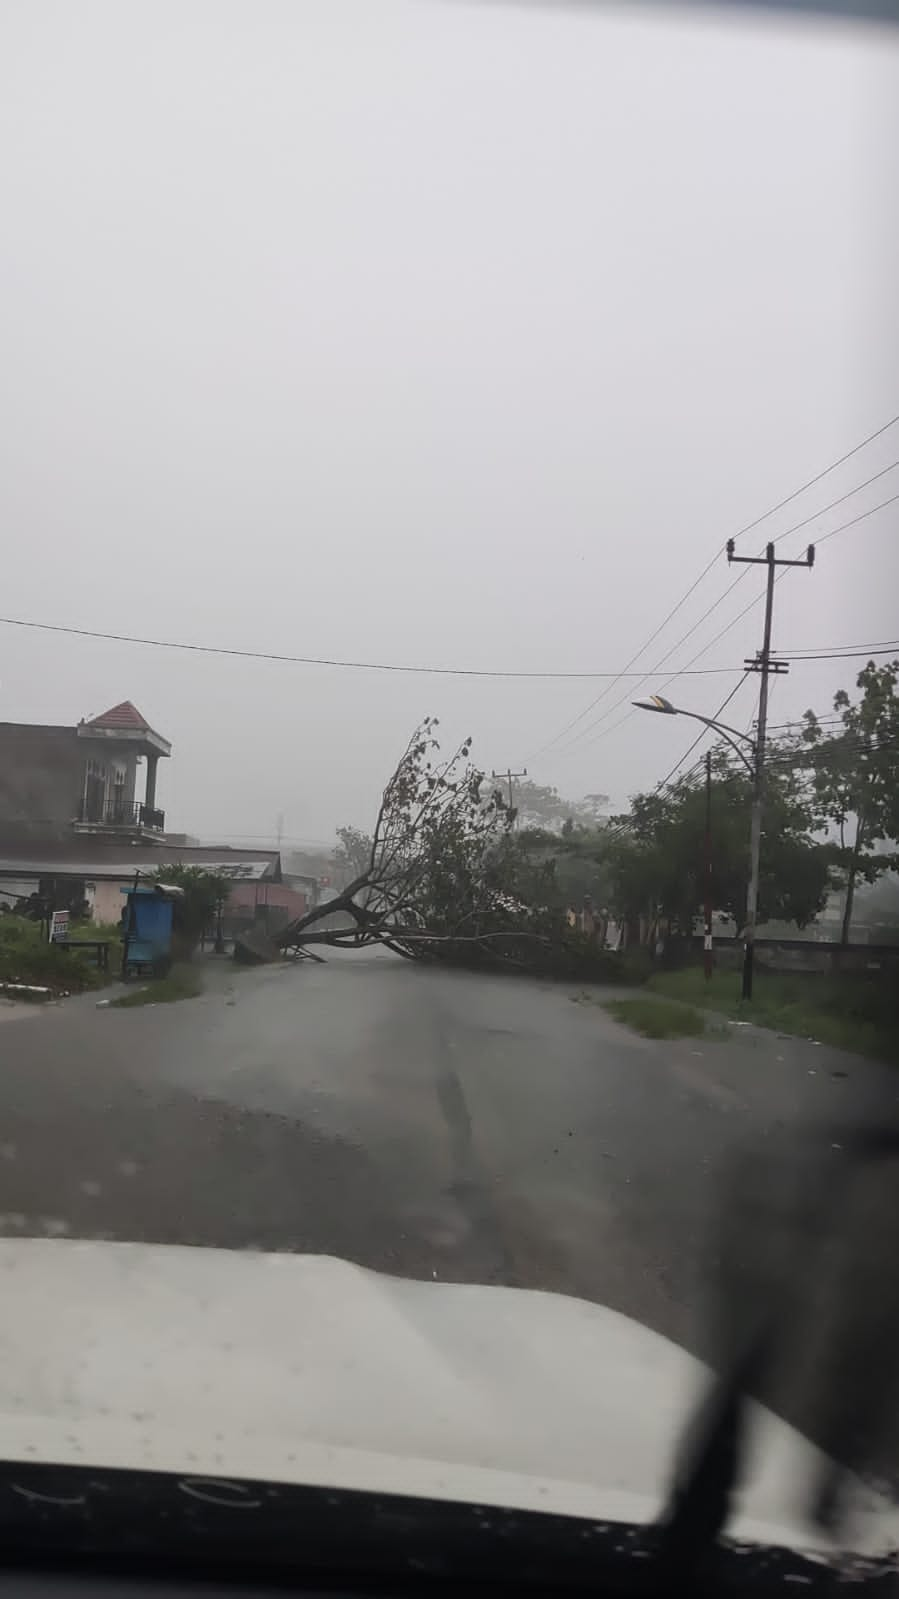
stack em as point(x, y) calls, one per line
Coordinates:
point(147, 929)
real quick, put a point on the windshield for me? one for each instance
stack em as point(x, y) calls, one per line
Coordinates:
point(449, 923)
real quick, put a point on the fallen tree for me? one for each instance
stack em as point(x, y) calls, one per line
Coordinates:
point(442, 876)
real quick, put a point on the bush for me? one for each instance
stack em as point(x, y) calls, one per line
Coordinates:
point(196, 909)
point(862, 996)
point(26, 957)
point(569, 954)
point(637, 963)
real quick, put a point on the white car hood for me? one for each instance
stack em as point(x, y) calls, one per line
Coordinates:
point(307, 1369)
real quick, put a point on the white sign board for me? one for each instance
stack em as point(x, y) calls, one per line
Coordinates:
point(59, 925)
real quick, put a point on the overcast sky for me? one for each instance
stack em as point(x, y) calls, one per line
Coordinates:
point(432, 333)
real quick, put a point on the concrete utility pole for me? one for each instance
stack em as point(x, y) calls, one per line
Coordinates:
point(510, 778)
point(707, 944)
point(763, 664)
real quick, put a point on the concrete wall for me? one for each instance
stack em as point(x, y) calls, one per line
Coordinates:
point(14, 889)
point(800, 955)
point(42, 771)
point(108, 900)
point(41, 777)
point(246, 898)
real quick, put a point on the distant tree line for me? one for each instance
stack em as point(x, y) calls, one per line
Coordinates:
point(451, 871)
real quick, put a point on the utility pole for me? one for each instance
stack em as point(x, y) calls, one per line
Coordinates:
point(510, 778)
point(763, 664)
point(708, 958)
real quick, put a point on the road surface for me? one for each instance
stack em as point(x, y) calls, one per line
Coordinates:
point(431, 1123)
point(474, 1128)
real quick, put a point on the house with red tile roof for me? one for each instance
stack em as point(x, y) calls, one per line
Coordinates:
point(60, 782)
point(79, 817)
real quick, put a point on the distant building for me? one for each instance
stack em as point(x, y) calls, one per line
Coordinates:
point(91, 872)
point(59, 783)
point(75, 829)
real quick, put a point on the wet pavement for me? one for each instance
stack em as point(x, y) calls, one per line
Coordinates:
point(435, 1124)
point(481, 1129)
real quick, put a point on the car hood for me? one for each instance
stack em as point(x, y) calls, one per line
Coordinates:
point(308, 1369)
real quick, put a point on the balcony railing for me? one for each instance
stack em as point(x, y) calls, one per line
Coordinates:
point(122, 813)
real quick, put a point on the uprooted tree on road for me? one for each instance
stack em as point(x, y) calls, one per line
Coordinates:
point(444, 877)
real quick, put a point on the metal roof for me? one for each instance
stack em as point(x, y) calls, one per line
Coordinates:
point(246, 866)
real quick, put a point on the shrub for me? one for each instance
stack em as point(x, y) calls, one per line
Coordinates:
point(26, 957)
point(203, 892)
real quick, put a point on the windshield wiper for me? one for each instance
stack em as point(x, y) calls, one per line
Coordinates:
point(712, 1454)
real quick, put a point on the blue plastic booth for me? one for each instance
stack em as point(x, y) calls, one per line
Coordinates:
point(146, 929)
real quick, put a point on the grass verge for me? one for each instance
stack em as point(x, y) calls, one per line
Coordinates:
point(852, 1011)
point(26, 957)
point(657, 1018)
point(182, 982)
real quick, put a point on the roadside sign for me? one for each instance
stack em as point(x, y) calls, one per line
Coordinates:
point(59, 925)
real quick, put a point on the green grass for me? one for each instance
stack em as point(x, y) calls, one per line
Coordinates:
point(852, 1011)
point(26, 957)
point(658, 1018)
point(182, 982)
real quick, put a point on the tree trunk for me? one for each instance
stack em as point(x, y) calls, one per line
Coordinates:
point(343, 902)
point(850, 885)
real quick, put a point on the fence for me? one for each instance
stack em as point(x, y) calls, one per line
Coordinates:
point(801, 955)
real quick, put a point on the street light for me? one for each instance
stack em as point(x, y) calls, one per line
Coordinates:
point(735, 739)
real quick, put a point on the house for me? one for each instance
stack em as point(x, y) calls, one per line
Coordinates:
point(272, 903)
point(74, 830)
point(61, 783)
point(92, 871)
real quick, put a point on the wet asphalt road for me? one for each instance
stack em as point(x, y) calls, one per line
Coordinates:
point(435, 1124)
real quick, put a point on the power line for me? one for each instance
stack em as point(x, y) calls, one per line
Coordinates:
point(789, 758)
point(834, 503)
point(875, 644)
point(842, 653)
point(704, 730)
point(839, 655)
point(818, 476)
point(882, 647)
point(797, 721)
point(824, 655)
point(785, 759)
point(681, 672)
point(666, 782)
point(635, 657)
point(829, 655)
point(315, 660)
point(860, 518)
point(747, 528)
point(851, 744)
point(861, 652)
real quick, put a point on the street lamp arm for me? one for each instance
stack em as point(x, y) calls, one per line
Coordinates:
point(731, 735)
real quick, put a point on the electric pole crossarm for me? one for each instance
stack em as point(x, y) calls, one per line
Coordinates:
point(510, 777)
point(769, 558)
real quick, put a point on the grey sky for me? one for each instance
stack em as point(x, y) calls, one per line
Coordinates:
point(430, 332)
